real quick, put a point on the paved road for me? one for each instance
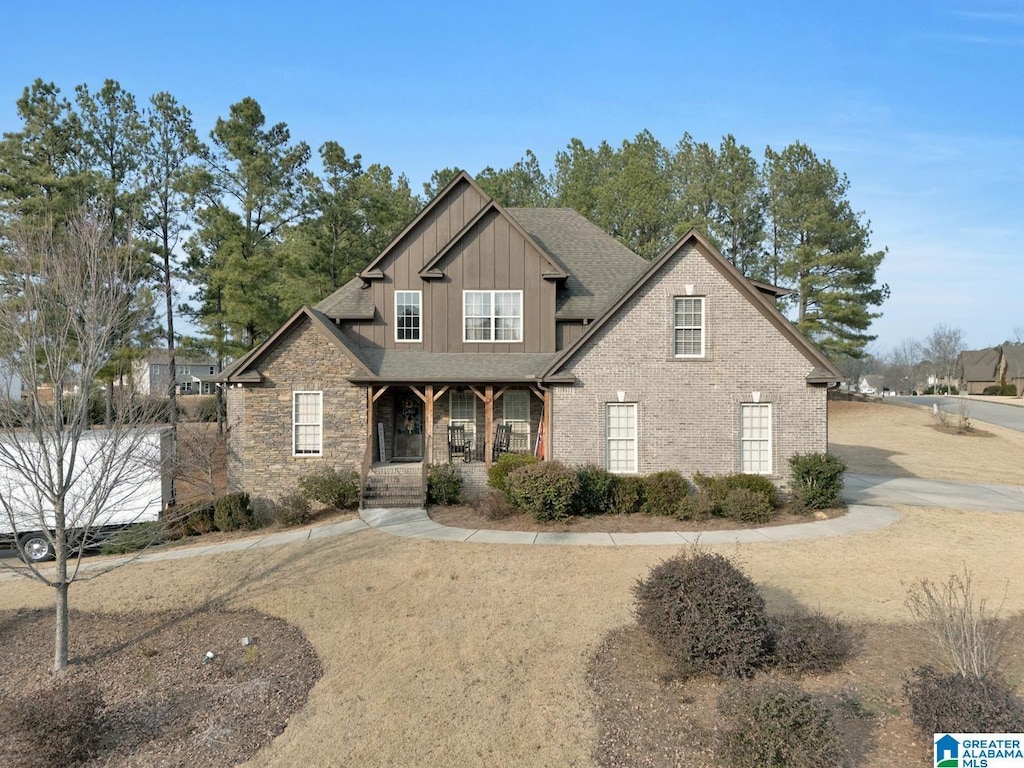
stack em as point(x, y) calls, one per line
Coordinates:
point(1009, 416)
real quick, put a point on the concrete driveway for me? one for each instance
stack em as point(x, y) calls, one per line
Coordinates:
point(915, 492)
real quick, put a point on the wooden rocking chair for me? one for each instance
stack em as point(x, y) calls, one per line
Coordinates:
point(460, 443)
point(502, 440)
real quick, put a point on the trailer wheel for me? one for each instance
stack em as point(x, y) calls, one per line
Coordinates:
point(36, 548)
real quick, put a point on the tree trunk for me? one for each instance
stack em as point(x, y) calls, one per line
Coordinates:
point(172, 390)
point(60, 640)
point(108, 417)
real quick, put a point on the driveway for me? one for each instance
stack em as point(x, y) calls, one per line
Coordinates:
point(916, 492)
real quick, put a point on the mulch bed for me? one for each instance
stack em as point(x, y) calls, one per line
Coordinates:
point(164, 704)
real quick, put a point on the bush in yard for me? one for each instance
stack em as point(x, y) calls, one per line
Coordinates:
point(717, 487)
point(811, 642)
point(494, 506)
point(547, 490)
point(232, 512)
point(955, 703)
point(627, 494)
point(58, 725)
point(705, 614)
point(696, 506)
point(663, 492)
point(507, 462)
point(192, 519)
point(595, 494)
point(746, 506)
point(444, 484)
point(290, 509)
point(817, 481)
point(325, 484)
point(134, 538)
point(772, 722)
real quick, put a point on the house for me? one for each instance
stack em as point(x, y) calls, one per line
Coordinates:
point(193, 375)
point(871, 384)
point(1013, 366)
point(978, 369)
point(477, 315)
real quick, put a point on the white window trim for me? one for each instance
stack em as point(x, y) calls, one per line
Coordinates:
point(419, 304)
point(703, 326)
point(636, 438)
point(470, 425)
point(768, 439)
point(520, 427)
point(493, 319)
point(296, 423)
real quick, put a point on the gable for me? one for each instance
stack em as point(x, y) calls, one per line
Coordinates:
point(738, 312)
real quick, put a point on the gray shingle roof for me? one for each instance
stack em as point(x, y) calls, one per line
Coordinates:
point(441, 367)
point(350, 302)
point(600, 267)
point(1014, 356)
point(980, 364)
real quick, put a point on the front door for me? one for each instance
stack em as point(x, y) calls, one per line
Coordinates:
point(408, 428)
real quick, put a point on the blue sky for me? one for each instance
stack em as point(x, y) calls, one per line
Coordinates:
point(919, 103)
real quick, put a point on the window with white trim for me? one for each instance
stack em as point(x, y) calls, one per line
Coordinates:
point(462, 409)
point(492, 315)
point(756, 438)
point(620, 435)
point(688, 323)
point(408, 315)
point(307, 423)
point(516, 413)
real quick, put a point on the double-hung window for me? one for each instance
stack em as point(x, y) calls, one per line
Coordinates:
point(620, 436)
point(307, 423)
point(516, 410)
point(689, 326)
point(408, 315)
point(462, 410)
point(492, 315)
point(756, 438)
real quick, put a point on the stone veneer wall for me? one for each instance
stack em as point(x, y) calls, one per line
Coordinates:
point(688, 410)
point(260, 457)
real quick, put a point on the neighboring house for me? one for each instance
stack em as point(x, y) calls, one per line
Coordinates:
point(872, 384)
point(193, 375)
point(1013, 366)
point(978, 369)
point(477, 315)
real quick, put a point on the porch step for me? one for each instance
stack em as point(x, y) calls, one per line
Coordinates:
point(395, 485)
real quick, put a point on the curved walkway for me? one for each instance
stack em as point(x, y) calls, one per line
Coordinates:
point(869, 497)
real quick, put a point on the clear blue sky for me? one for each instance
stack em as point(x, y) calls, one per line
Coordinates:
point(919, 103)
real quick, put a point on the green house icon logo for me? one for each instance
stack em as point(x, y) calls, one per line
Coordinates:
point(947, 752)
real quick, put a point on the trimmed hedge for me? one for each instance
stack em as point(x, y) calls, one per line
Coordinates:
point(817, 481)
point(595, 494)
point(547, 490)
point(506, 463)
point(627, 494)
point(330, 487)
point(811, 642)
point(232, 512)
point(444, 484)
point(662, 493)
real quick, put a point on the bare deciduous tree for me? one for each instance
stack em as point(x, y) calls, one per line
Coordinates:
point(68, 299)
point(902, 363)
point(943, 347)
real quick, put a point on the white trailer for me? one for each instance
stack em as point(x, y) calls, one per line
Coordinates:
point(120, 480)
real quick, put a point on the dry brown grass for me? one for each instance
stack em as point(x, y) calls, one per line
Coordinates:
point(440, 653)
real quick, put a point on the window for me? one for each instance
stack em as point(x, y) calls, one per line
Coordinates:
point(492, 315)
point(407, 315)
point(212, 370)
point(462, 410)
point(689, 327)
point(756, 438)
point(620, 431)
point(186, 386)
point(307, 423)
point(516, 405)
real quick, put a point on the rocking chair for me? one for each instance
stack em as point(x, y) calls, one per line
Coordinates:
point(460, 443)
point(502, 440)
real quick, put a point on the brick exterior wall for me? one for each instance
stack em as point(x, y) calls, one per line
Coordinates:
point(260, 457)
point(689, 409)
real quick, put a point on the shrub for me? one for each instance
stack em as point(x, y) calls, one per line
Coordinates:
point(662, 493)
point(967, 634)
point(205, 409)
point(746, 506)
point(697, 506)
point(494, 506)
point(132, 538)
point(955, 703)
point(444, 484)
point(1008, 390)
point(758, 484)
point(811, 642)
point(595, 494)
point(232, 512)
point(546, 490)
point(705, 614)
point(507, 462)
point(817, 481)
point(290, 509)
point(330, 487)
point(59, 725)
point(193, 519)
point(627, 494)
point(772, 722)
point(992, 389)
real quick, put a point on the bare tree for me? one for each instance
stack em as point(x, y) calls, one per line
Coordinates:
point(902, 363)
point(943, 347)
point(68, 300)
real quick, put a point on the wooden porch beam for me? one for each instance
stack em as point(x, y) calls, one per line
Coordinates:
point(380, 391)
point(428, 456)
point(441, 391)
point(418, 394)
point(488, 424)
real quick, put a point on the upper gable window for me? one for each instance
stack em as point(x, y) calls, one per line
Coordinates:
point(689, 327)
point(408, 315)
point(492, 315)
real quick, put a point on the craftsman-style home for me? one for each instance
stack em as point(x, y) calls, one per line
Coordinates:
point(482, 329)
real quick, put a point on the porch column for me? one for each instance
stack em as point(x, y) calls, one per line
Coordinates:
point(428, 433)
point(488, 423)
